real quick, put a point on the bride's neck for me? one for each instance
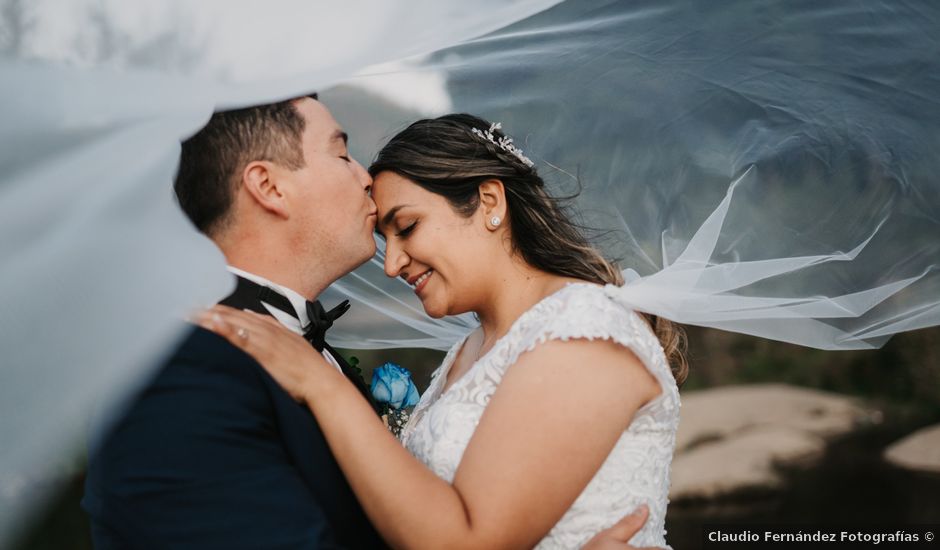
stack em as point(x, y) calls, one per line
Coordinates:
point(514, 292)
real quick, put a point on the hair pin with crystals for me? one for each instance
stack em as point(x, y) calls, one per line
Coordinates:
point(504, 143)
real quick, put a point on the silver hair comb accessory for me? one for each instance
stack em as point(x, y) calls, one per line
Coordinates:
point(504, 143)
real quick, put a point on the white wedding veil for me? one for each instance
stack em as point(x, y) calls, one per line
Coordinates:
point(766, 167)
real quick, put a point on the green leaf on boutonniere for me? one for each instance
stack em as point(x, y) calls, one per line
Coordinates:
point(353, 362)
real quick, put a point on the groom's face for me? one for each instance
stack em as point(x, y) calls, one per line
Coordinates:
point(334, 212)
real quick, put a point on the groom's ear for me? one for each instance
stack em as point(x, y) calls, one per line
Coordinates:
point(259, 182)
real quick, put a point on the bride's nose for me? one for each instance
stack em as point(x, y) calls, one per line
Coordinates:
point(395, 259)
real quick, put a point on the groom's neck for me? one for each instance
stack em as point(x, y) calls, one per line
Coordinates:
point(284, 269)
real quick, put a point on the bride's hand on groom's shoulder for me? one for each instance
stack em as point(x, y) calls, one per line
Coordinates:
point(287, 357)
point(617, 536)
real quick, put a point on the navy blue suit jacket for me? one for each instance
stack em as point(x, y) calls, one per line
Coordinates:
point(214, 454)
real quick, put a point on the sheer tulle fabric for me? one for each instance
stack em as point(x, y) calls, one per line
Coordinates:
point(762, 167)
point(766, 167)
point(99, 266)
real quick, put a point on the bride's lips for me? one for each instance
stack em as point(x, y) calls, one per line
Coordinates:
point(420, 281)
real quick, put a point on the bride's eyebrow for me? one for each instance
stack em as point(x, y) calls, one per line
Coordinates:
point(387, 218)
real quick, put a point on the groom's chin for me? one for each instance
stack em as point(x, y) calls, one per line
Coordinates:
point(367, 252)
point(362, 261)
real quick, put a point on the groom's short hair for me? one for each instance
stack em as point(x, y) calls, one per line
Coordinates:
point(212, 160)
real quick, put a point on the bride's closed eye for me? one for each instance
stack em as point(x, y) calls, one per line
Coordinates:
point(407, 231)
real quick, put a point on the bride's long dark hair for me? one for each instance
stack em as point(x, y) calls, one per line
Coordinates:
point(445, 157)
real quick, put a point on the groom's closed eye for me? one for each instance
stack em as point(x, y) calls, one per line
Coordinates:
point(340, 136)
point(341, 139)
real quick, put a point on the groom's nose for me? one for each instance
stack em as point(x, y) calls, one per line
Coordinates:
point(363, 176)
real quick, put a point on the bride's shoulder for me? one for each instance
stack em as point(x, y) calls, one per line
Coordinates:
point(590, 301)
point(584, 310)
point(588, 316)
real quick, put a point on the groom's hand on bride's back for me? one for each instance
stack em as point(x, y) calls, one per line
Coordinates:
point(617, 536)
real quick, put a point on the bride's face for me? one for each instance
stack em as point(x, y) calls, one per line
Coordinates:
point(440, 253)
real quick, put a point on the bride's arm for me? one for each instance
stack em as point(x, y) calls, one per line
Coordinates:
point(556, 416)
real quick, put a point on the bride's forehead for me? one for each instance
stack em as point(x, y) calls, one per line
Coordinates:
point(389, 182)
point(388, 187)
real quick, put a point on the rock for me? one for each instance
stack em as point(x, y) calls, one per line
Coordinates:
point(746, 462)
point(919, 451)
point(718, 413)
point(735, 439)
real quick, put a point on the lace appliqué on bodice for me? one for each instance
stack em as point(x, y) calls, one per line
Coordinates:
point(635, 472)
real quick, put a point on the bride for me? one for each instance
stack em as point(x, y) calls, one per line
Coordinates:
point(540, 427)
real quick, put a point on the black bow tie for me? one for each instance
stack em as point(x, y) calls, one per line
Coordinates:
point(320, 319)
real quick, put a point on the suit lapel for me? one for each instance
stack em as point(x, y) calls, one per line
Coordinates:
point(354, 377)
point(298, 429)
point(310, 453)
point(245, 296)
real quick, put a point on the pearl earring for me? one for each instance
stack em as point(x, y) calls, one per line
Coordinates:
point(495, 221)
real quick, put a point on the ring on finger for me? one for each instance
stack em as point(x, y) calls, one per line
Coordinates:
point(242, 333)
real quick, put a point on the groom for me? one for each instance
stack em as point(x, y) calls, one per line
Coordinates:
point(213, 453)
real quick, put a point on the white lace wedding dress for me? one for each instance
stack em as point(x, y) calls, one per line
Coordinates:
point(635, 472)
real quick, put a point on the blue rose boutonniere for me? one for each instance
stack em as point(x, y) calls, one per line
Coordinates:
point(394, 390)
